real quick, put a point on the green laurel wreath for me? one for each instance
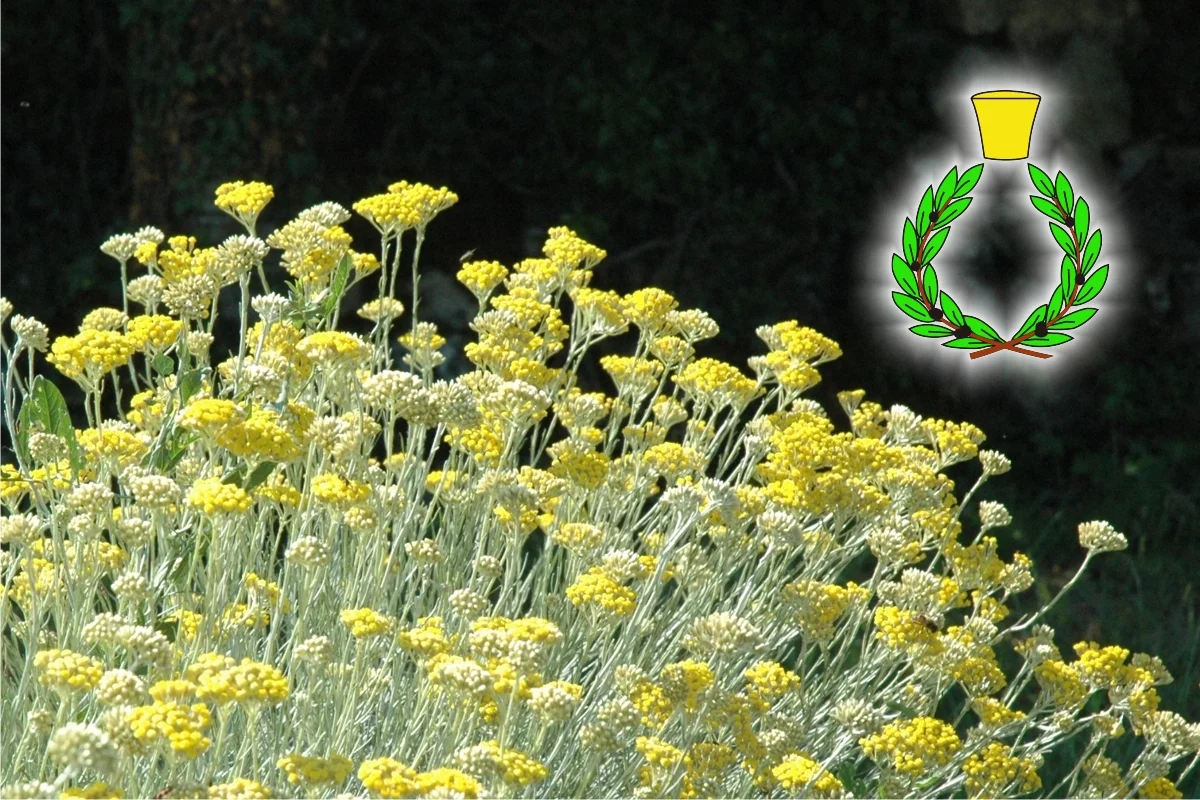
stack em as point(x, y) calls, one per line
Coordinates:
point(941, 317)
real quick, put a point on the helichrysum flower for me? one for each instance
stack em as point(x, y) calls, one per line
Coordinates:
point(722, 632)
point(333, 348)
point(799, 774)
point(912, 746)
point(172, 725)
point(30, 333)
point(991, 772)
point(239, 789)
point(80, 748)
point(555, 701)
point(154, 332)
point(103, 319)
point(67, 670)
point(482, 277)
point(90, 354)
point(488, 759)
point(244, 201)
point(249, 682)
point(365, 622)
point(1101, 537)
point(120, 687)
point(315, 770)
point(212, 496)
point(596, 590)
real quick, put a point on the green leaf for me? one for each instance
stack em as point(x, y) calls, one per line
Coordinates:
point(163, 364)
point(1074, 319)
point(1046, 207)
point(1066, 277)
point(851, 781)
point(189, 384)
point(965, 344)
point(911, 307)
point(923, 211)
point(338, 288)
point(1041, 181)
point(931, 331)
point(1063, 192)
point(982, 328)
point(952, 212)
point(904, 275)
point(1056, 303)
point(1038, 315)
point(1083, 218)
point(930, 283)
point(234, 475)
point(1091, 251)
point(968, 180)
point(46, 406)
point(1092, 286)
point(1049, 340)
point(934, 245)
point(951, 310)
point(260, 474)
point(1063, 237)
point(910, 241)
point(946, 188)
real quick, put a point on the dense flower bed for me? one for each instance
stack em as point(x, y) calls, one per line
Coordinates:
point(301, 568)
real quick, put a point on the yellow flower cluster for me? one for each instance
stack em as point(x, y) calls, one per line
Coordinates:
point(405, 206)
point(595, 590)
point(912, 746)
point(991, 771)
point(244, 201)
point(250, 682)
point(365, 622)
point(315, 770)
point(87, 356)
point(153, 333)
point(212, 496)
point(798, 773)
point(387, 777)
point(67, 670)
point(175, 725)
point(339, 492)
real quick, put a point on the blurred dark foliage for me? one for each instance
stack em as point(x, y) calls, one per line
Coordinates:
point(731, 156)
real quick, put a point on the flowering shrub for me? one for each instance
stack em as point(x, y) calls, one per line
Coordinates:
point(303, 568)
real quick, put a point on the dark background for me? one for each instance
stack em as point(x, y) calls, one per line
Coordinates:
point(732, 156)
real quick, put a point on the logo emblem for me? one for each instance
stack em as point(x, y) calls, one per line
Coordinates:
point(1005, 127)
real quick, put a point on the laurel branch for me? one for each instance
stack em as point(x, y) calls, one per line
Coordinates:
point(938, 313)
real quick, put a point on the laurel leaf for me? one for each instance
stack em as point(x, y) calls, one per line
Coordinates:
point(1038, 315)
point(1067, 277)
point(1083, 218)
point(911, 307)
point(968, 180)
point(946, 188)
point(924, 210)
point(1063, 237)
point(1046, 207)
point(952, 212)
point(1092, 286)
point(1056, 303)
point(1091, 251)
point(965, 344)
point(951, 310)
point(904, 275)
point(934, 245)
point(910, 241)
point(1041, 181)
point(930, 282)
point(1049, 340)
point(982, 328)
point(931, 331)
point(1063, 192)
point(1074, 319)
